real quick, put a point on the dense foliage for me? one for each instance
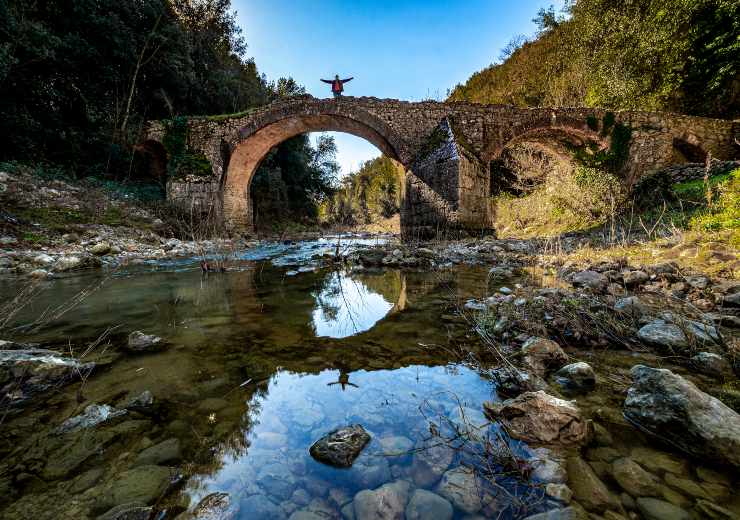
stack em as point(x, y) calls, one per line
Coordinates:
point(366, 196)
point(78, 77)
point(677, 55)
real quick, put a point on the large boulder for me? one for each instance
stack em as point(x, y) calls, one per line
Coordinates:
point(537, 417)
point(340, 447)
point(669, 407)
point(541, 355)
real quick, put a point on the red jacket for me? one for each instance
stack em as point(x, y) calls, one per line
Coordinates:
point(337, 85)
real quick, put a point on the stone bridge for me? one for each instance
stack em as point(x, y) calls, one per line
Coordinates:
point(446, 149)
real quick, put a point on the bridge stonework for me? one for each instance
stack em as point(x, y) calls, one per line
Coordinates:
point(445, 148)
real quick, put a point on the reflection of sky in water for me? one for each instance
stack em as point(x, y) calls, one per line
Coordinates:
point(345, 306)
point(297, 409)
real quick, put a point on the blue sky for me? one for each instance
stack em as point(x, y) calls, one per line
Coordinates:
point(407, 49)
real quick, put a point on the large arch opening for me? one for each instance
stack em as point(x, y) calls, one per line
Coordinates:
point(250, 152)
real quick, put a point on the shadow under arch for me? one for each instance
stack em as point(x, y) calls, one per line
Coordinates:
point(559, 143)
point(258, 139)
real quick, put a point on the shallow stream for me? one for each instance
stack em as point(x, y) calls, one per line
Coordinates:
point(260, 362)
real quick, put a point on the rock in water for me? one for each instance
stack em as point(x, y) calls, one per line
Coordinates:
point(340, 447)
point(93, 415)
point(671, 408)
point(425, 504)
point(510, 381)
point(388, 502)
point(712, 365)
point(541, 354)
point(576, 377)
point(537, 417)
point(140, 342)
point(461, 487)
point(654, 509)
point(26, 371)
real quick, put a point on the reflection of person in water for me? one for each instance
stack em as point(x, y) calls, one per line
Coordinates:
point(343, 380)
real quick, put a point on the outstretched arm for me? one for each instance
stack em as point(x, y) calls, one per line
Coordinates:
point(327, 81)
point(348, 79)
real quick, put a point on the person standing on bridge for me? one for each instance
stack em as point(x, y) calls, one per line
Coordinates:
point(337, 85)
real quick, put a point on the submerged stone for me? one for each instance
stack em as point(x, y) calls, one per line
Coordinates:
point(388, 502)
point(142, 484)
point(654, 509)
point(461, 487)
point(93, 415)
point(427, 505)
point(576, 377)
point(340, 447)
point(140, 342)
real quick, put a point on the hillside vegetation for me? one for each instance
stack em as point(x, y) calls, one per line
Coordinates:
point(674, 55)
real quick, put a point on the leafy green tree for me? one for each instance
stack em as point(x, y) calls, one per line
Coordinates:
point(676, 55)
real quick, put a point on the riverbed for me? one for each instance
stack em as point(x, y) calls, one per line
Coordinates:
point(260, 361)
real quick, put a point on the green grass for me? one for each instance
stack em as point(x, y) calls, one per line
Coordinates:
point(696, 190)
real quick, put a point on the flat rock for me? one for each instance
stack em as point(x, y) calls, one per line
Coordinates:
point(340, 447)
point(93, 415)
point(593, 280)
point(142, 484)
point(587, 488)
point(537, 417)
point(712, 365)
point(165, 451)
point(669, 407)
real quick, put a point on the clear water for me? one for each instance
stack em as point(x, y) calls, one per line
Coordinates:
point(261, 361)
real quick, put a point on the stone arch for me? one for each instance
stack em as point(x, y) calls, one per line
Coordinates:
point(556, 140)
point(257, 138)
point(687, 149)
